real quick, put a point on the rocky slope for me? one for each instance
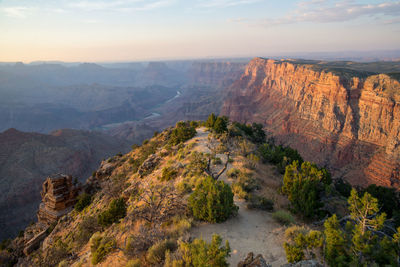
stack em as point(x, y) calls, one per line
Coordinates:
point(156, 209)
point(346, 119)
point(27, 158)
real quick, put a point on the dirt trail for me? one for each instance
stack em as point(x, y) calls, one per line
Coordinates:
point(250, 231)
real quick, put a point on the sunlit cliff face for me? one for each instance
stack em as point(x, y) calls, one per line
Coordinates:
point(343, 120)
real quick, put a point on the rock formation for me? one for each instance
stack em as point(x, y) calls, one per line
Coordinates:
point(346, 120)
point(58, 198)
point(27, 158)
point(251, 261)
point(305, 263)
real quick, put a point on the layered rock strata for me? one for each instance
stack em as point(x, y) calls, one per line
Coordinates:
point(349, 123)
point(58, 197)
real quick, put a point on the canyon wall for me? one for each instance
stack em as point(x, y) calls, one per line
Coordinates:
point(347, 122)
point(27, 158)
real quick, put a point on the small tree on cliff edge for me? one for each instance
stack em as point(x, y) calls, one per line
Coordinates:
point(211, 120)
point(304, 185)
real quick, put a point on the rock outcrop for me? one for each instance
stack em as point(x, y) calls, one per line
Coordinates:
point(58, 198)
point(27, 158)
point(148, 165)
point(305, 263)
point(346, 120)
point(251, 261)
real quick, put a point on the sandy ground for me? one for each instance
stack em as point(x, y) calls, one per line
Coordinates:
point(250, 231)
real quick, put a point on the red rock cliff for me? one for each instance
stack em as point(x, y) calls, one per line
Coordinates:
point(350, 124)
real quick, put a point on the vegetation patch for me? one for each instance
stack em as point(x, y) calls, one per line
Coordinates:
point(254, 132)
point(181, 133)
point(86, 229)
point(115, 212)
point(168, 173)
point(200, 253)
point(283, 217)
point(212, 201)
point(100, 247)
point(83, 201)
point(156, 253)
point(304, 186)
point(280, 156)
point(259, 202)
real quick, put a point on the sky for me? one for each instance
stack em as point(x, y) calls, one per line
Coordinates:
point(128, 30)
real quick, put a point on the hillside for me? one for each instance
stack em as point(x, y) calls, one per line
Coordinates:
point(141, 174)
point(27, 158)
point(176, 199)
point(339, 114)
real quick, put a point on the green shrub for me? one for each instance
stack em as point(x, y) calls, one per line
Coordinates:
point(86, 229)
point(388, 198)
point(200, 253)
point(211, 120)
point(220, 125)
point(197, 164)
point(283, 217)
point(238, 191)
point(134, 263)
point(184, 187)
point(233, 173)
point(251, 161)
point(262, 203)
point(156, 253)
point(279, 155)
point(83, 201)
point(303, 244)
point(304, 186)
point(194, 124)
point(343, 187)
point(253, 132)
point(216, 161)
point(247, 182)
point(181, 133)
point(178, 226)
point(100, 247)
point(115, 212)
point(212, 201)
point(168, 173)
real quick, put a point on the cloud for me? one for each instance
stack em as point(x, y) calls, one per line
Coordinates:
point(16, 11)
point(392, 21)
point(120, 5)
point(323, 11)
point(225, 3)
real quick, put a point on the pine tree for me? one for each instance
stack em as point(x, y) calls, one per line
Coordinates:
point(335, 243)
point(211, 120)
point(365, 241)
point(220, 125)
point(303, 187)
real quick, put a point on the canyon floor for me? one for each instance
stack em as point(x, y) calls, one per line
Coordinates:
point(250, 231)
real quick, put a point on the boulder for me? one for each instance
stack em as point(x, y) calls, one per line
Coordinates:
point(306, 263)
point(250, 261)
point(148, 165)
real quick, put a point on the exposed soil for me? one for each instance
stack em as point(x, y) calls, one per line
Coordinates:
point(250, 231)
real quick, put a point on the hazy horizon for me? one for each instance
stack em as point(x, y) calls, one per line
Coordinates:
point(138, 30)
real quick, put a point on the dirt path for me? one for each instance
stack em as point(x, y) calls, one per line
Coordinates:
point(250, 231)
